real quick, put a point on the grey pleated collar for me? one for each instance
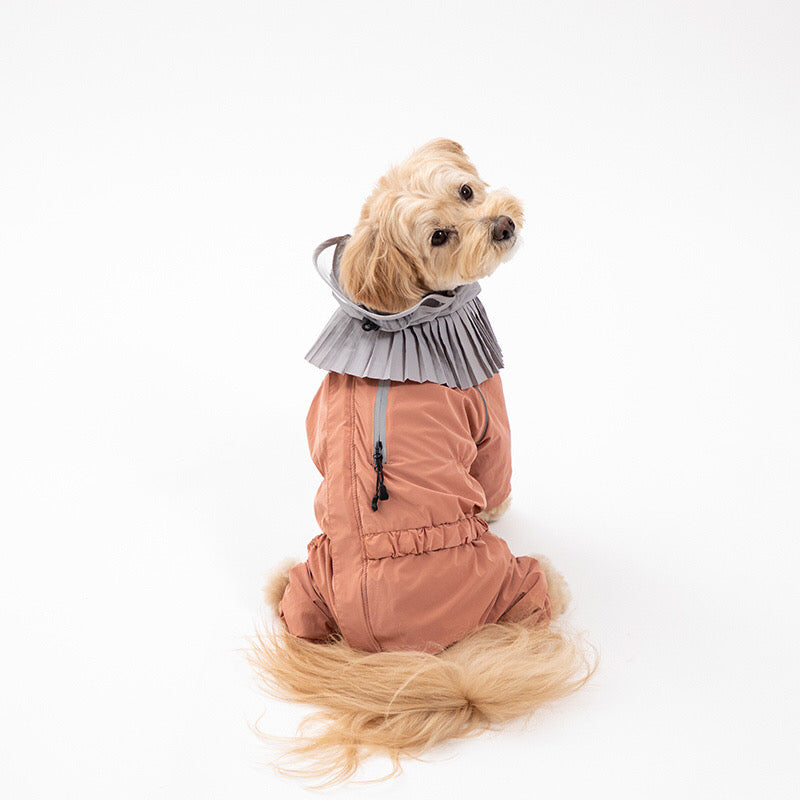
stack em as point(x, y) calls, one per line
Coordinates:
point(445, 338)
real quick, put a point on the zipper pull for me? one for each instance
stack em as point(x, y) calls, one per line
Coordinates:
point(381, 492)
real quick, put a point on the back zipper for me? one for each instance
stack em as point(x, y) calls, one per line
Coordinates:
point(379, 441)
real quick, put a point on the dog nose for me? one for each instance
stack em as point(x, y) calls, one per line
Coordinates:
point(503, 228)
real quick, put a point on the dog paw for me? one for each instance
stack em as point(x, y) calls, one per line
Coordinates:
point(557, 587)
point(276, 584)
point(493, 514)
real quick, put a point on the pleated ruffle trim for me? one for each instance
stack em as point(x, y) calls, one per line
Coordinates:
point(445, 338)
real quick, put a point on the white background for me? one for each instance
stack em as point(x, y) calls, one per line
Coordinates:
point(167, 169)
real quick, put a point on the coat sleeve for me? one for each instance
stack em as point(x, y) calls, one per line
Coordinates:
point(492, 465)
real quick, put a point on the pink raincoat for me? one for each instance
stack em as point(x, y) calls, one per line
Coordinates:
point(403, 562)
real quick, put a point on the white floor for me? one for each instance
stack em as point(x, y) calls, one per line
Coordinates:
point(170, 168)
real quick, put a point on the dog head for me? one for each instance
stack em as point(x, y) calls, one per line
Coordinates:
point(430, 225)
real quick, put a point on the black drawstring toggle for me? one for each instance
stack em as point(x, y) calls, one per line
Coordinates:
point(368, 325)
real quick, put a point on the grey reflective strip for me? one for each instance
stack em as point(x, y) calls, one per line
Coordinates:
point(381, 398)
point(485, 424)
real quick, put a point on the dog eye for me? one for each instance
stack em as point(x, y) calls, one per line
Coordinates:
point(439, 238)
point(466, 192)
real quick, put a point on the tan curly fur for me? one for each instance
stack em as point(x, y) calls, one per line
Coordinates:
point(403, 704)
point(557, 587)
point(276, 584)
point(494, 514)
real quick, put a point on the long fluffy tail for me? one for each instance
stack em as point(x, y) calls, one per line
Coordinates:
point(401, 704)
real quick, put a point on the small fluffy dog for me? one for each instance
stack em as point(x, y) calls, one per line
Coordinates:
point(410, 622)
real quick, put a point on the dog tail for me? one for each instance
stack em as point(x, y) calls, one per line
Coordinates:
point(402, 704)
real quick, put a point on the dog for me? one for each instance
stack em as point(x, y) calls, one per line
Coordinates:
point(410, 622)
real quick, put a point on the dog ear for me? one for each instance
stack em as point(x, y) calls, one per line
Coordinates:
point(377, 273)
point(443, 145)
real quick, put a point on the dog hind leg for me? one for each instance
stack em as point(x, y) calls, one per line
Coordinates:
point(557, 587)
point(276, 584)
point(301, 607)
